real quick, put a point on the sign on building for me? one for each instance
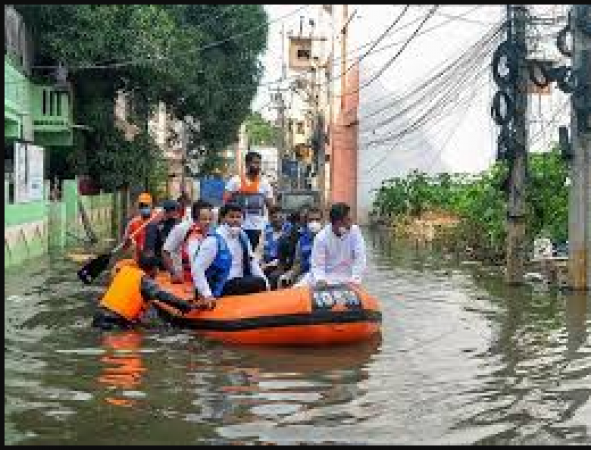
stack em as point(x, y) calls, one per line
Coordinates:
point(28, 172)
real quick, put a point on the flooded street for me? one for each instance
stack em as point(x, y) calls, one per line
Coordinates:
point(463, 359)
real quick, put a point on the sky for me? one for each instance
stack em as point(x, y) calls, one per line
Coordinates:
point(467, 139)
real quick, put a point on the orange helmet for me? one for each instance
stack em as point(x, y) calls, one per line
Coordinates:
point(145, 198)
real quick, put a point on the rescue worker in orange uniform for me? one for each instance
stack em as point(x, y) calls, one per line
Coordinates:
point(146, 214)
point(126, 300)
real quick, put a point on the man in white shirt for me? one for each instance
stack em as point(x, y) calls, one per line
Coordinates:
point(254, 194)
point(184, 239)
point(225, 263)
point(338, 252)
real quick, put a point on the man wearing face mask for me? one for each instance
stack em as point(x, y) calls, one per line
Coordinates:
point(225, 264)
point(145, 215)
point(253, 193)
point(338, 253)
point(184, 240)
point(303, 250)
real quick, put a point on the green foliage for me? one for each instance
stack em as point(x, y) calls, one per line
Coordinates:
point(480, 202)
point(153, 53)
point(260, 131)
point(547, 196)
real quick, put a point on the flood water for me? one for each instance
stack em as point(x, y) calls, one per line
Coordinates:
point(462, 359)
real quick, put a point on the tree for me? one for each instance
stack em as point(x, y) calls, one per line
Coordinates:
point(182, 55)
point(260, 131)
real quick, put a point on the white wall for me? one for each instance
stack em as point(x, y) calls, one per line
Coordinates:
point(380, 161)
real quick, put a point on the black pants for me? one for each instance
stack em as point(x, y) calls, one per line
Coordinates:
point(244, 285)
point(254, 237)
point(108, 320)
point(273, 274)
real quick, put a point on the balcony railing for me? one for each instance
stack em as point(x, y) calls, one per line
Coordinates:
point(52, 109)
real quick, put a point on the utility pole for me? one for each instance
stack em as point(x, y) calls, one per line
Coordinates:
point(344, 54)
point(282, 155)
point(516, 248)
point(579, 217)
point(283, 65)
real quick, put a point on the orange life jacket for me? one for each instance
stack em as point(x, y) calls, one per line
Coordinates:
point(247, 186)
point(140, 237)
point(193, 232)
point(124, 296)
point(249, 197)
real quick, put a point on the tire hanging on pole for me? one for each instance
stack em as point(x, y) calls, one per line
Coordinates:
point(542, 69)
point(561, 42)
point(499, 98)
point(508, 52)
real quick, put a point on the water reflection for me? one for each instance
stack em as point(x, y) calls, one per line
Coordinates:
point(462, 359)
point(123, 367)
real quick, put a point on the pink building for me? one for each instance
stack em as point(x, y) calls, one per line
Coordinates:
point(343, 144)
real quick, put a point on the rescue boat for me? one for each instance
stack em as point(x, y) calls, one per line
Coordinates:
point(297, 316)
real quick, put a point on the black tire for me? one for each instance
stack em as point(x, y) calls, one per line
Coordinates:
point(566, 149)
point(508, 51)
point(541, 83)
point(567, 83)
point(561, 42)
point(497, 115)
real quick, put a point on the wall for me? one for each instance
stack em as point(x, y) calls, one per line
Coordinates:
point(379, 158)
point(344, 132)
point(33, 229)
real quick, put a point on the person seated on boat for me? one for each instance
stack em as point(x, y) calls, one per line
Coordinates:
point(158, 231)
point(286, 246)
point(303, 250)
point(183, 241)
point(277, 228)
point(254, 193)
point(225, 263)
point(127, 299)
point(145, 214)
point(338, 252)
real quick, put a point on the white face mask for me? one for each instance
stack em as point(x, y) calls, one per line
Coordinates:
point(234, 231)
point(314, 226)
point(343, 231)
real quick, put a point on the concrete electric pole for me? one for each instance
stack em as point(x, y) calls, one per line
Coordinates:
point(516, 248)
point(579, 226)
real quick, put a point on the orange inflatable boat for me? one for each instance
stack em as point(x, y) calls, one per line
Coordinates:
point(296, 316)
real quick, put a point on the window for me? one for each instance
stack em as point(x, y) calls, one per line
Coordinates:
point(303, 53)
point(9, 172)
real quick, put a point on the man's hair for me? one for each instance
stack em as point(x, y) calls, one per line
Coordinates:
point(229, 207)
point(275, 209)
point(339, 211)
point(294, 217)
point(252, 155)
point(147, 261)
point(183, 198)
point(315, 209)
point(197, 206)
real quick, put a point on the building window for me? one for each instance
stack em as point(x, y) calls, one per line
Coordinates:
point(9, 172)
point(303, 53)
